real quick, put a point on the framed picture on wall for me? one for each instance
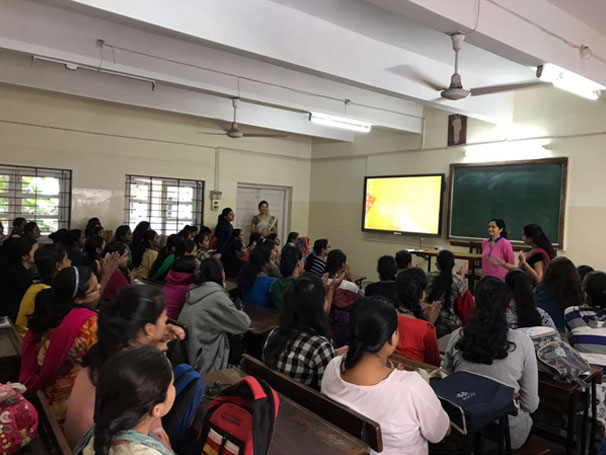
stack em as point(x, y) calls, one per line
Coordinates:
point(457, 129)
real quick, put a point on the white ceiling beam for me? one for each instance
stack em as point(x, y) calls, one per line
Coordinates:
point(266, 30)
point(513, 36)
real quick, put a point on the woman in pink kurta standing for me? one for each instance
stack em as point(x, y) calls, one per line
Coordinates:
point(497, 253)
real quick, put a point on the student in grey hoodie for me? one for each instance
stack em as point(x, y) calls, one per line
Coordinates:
point(210, 316)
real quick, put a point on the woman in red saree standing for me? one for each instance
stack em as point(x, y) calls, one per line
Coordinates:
point(61, 330)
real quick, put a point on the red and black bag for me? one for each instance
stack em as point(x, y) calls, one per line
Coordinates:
point(240, 421)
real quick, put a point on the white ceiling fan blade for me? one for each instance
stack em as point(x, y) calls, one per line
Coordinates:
point(505, 87)
point(212, 134)
point(265, 135)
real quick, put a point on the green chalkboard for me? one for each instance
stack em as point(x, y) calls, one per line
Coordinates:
point(519, 192)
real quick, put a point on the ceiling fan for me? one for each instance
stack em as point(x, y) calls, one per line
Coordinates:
point(456, 91)
point(234, 132)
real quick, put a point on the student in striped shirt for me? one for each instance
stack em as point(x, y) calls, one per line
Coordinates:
point(316, 261)
point(586, 325)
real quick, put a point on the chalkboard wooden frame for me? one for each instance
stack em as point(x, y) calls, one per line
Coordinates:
point(562, 161)
point(414, 234)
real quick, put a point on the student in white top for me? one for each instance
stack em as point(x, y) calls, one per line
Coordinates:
point(364, 379)
point(336, 262)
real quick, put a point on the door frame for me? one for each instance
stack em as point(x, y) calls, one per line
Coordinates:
point(287, 202)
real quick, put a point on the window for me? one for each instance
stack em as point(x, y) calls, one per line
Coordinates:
point(37, 194)
point(168, 204)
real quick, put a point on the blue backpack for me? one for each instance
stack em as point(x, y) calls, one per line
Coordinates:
point(189, 388)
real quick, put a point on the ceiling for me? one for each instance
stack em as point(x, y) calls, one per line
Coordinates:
point(378, 61)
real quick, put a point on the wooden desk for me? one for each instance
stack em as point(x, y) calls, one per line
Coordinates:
point(263, 320)
point(475, 262)
point(10, 355)
point(298, 430)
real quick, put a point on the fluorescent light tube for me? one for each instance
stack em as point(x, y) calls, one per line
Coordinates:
point(569, 81)
point(340, 122)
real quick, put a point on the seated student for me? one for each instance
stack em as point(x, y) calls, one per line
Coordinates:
point(253, 239)
point(178, 281)
point(61, 330)
point(316, 261)
point(211, 317)
point(585, 324)
point(291, 267)
point(560, 289)
point(50, 259)
point(445, 287)
point(135, 390)
point(16, 274)
point(403, 260)
point(300, 346)
point(232, 258)
point(487, 346)
point(139, 243)
point(99, 231)
point(75, 245)
point(93, 251)
point(409, 412)
point(523, 311)
point(203, 243)
point(188, 232)
point(125, 236)
point(336, 261)
point(90, 226)
point(119, 279)
point(151, 242)
point(31, 230)
point(386, 287)
point(418, 340)
point(583, 270)
point(274, 258)
point(165, 258)
point(253, 278)
point(291, 240)
point(136, 317)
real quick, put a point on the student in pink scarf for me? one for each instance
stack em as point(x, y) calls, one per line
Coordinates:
point(178, 282)
point(61, 331)
point(136, 317)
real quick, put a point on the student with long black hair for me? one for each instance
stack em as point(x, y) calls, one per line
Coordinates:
point(93, 251)
point(165, 258)
point(211, 317)
point(139, 244)
point(560, 288)
point(365, 380)
point(232, 258)
point(75, 244)
point(487, 346)
point(523, 311)
point(134, 391)
point(120, 278)
point(316, 261)
point(136, 317)
point(49, 259)
point(16, 274)
point(535, 262)
point(62, 329)
point(90, 226)
point(151, 242)
point(418, 338)
point(291, 267)
point(300, 346)
point(445, 287)
point(253, 278)
point(125, 235)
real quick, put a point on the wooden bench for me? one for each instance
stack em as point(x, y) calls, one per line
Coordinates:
point(345, 418)
point(50, 439)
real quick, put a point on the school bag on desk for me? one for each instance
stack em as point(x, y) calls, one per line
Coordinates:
point(556, 357)
point(18, 419)
point(239, 421)
point(472, 401)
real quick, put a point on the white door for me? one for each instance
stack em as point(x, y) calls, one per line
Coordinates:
point(247, 203)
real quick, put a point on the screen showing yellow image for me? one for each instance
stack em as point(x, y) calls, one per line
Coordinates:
point(403, 204)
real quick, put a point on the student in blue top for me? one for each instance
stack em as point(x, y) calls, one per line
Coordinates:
point(253, 279)
point(560, 289)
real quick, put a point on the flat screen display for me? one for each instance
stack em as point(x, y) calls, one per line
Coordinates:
point(410, 204)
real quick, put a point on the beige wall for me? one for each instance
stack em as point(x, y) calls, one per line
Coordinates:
point(101, 142)
point(571, 126)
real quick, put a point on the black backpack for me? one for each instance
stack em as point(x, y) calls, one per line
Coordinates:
point(239, 421)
